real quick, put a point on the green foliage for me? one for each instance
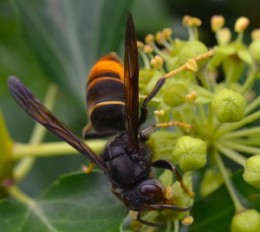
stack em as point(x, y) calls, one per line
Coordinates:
point(214, 212)
point(66, 37)
point(58, 41)
point(74, 202)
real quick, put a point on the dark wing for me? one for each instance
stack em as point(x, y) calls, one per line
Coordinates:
point(41, 114)
point(131, 72)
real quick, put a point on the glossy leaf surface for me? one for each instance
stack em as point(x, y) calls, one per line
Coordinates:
point(75, 202)
point(214, 213)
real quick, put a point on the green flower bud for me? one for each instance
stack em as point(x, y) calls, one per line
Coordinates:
point(161, 144)
point(145, 75)
point(252, 171)
point(191, 50)
point(190, 153)
point(228, 106)
point(254, 49)
point(246, 221)
point(224, 36)
point(175, 94)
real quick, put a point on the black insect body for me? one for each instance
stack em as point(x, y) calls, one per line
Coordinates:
point(126, 168)
point(130, 175)
point(126, 160)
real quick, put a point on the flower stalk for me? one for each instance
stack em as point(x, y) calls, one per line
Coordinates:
point(22, 151)
point(232, 192)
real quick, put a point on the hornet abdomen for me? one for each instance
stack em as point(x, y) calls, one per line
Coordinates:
point(105, 95)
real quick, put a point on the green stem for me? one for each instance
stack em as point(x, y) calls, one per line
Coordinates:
point(239, 38)
point(238, 206)
point(193, 33)
point(167, 45)
point(233, 126)
point(231, 154)
point(218, 37)
point(253, 105)
point(199, 125)
point(160, 53)
point(241, 147)
point(196, 33)
point(203, 78)
point(52, 148)
point(243, 132)
point(37, 136)
point(17, 194)
point(202, 115)
point(250, 141)
point(145, 59)
point(212, 122)
point(230, 74)
point(249, 81)
point(176, 225)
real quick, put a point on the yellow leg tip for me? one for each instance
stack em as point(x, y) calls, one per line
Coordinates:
point(87, 169)
point(187, 221)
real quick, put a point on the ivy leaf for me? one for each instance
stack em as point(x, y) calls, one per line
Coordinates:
point(214, 213)
point(75, 202)
point(67, 37)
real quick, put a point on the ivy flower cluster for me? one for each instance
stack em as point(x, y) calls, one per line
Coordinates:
point(214, 92)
